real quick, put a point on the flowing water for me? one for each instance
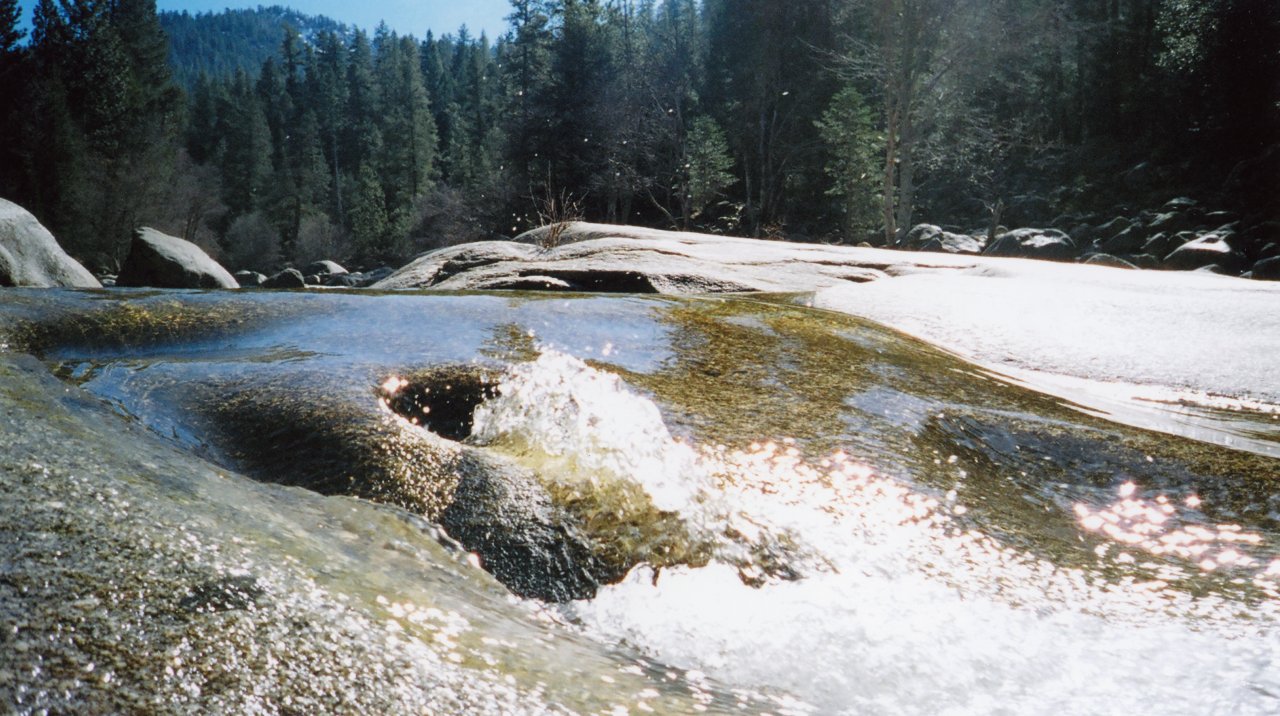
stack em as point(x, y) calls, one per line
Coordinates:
point(787, 511)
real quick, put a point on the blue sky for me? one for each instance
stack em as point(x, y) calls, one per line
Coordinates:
point(407, 17)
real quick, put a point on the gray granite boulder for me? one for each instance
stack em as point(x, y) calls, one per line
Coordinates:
point(30, 256)
point(323, 268)
point(288, 278)
point(627, 259)
point(250, 279)
point(927, 237)
point(1211, 249)
point(1033, 243)
point(163, 261)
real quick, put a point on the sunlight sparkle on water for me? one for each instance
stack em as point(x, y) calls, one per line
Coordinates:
point(1159, 527)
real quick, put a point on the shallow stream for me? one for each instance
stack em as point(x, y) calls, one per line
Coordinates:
point(764, 509)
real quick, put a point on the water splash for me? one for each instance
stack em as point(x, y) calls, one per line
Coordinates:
point(586, 426)
point(892, 592)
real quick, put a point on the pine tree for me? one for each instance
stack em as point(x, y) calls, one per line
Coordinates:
point(10, 31)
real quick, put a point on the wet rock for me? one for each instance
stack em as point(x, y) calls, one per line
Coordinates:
point(1211, 249)
point(250, 279)
point(30, 256)
point(288, 278)
point(1033, 243)
point(164, 261)
point(305, 432)
point(230, 593)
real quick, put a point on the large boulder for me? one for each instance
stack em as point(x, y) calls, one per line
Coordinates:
point(288, 278)
point(622, 259)
point(163, 261)
point(927, 237)
point(1212, 249)
point(30, 256)
point(1033, 243)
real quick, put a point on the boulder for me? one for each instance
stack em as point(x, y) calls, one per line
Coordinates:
point(1171, 222)
point(1181, 203)
point(1161, 245)
point(1253, 240)
point(323, 268)
point(250, 279)
point(1113, 227)
point(288, 278)
point(927, 237)
point(1082, 233)
point(1109, 260)
point(1212, 249)
point(1033, 243)
point(30, 256)
point(1144, 261)
point(163, 261)
point(1126, 242)
point(1266, 269)
point(343, 280)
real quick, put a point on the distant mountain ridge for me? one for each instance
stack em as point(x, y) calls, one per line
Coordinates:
point(219, 43)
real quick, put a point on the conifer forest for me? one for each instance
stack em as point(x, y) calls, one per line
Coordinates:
point(842, 121)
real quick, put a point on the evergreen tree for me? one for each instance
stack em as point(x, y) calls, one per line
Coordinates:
point(407, 164)
point(10, 32)
point(847, 129)
point(707, 165)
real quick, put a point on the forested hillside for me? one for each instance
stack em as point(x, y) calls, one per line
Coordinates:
point(834, 120)
point(218, 44)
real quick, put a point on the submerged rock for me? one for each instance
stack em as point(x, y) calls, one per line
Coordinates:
point(31, 257)
point(162, 261)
